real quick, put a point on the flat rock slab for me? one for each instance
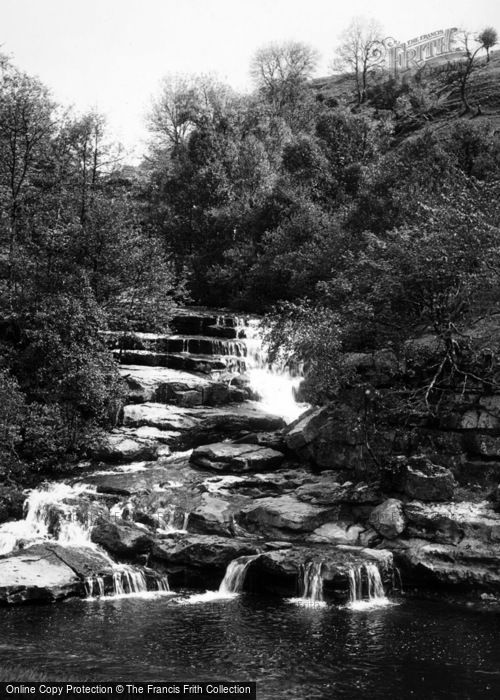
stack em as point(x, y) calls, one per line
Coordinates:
point(202, 550)
point(285, 516)
point(236, 458)
point(201, 425)
point(158, 383)
point(145, 479)
point(46, 573)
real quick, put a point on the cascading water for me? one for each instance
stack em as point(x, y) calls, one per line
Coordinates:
point(312, 585)
point(49, 517)
point(366, 589)
point(234, 577)
point(53, 513)
point(126, 581)
point(231, 585)
point(276, 384)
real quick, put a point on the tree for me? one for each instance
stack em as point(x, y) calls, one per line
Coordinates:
point(26, 124)
point(488, 38)
point(471, 47)
point(280, 73)
point(360, 53)
point(183, 101)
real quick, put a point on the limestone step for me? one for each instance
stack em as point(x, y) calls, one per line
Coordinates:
point(204, 345)
point(201, 425)
point(165, 385)
point(191, 363)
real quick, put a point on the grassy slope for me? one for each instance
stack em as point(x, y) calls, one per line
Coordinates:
point(484, 90)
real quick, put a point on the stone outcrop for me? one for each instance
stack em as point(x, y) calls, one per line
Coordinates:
point(285, 517)
point(120, 448)
point(200, 426)
point(48, 573)
point(281, 571)
point(212, 515)
point(469, 567)
point(329, 438)
point(236, 458)
point(199, 551)
point(122, 538)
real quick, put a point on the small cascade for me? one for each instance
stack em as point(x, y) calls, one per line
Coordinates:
point(49, 516)
point(312, 585)
point(231, 585)
point(127, 581)
point(234, 577)
point(94, 586)
point(277, 384)
point(366, 589)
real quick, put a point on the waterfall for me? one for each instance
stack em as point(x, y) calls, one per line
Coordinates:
point(312, 585)
point(47, 516)
point(366, 589)
point(127, 581)
point(277, 384)
point(231, 585)
point(234, 577)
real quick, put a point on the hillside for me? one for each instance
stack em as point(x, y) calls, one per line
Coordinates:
point(484, 89)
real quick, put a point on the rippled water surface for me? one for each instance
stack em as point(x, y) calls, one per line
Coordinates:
point(418, 649)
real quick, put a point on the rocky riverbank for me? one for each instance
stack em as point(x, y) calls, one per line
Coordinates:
point(201, 472)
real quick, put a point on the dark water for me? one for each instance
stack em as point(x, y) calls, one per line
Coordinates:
point(418, 649)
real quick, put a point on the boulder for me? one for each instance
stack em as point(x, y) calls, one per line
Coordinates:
point(121, 537)
point(388, 518)
point(425, 481)
point(330, 437)
point(285, 517)
point(236, 458)
point(201, 550)
point(117, 447)
point(212, 515)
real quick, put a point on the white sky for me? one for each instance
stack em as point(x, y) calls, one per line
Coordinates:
point(111, 54)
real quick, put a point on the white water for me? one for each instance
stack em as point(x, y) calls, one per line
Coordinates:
point(51, 515)
point(48, 517)
point(275, 383)
point(312, 586)
point(366, 589)
point(231, 585)
point(127, 582)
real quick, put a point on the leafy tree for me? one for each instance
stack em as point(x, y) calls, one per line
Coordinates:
point(280, 73)
point(360, 53)
point(488, 38)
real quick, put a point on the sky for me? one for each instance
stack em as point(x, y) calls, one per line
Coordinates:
point(111, 54)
